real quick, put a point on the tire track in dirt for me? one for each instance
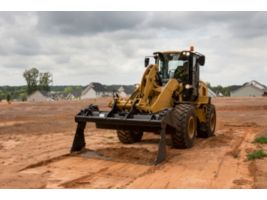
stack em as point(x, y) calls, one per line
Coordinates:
point(128, 173)
point(108, 178)
point(241, 142)
point(91, 173)
point(83, 182)
point(44, 162)
point(221, 176)
point(221, 139)
point(149, 171)
point(78, 182)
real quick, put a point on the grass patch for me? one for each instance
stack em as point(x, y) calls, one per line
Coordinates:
point(262, 140)
point(258, 154)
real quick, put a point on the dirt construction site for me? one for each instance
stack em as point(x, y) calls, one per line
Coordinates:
point(35, 141)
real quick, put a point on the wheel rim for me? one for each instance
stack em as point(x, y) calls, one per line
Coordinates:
point(212, 122)
point(191, 127)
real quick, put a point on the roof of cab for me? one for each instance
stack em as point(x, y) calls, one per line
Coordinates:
point(167, 52)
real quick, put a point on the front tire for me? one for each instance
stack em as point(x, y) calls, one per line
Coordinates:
point(129, 137)
point(184, 134)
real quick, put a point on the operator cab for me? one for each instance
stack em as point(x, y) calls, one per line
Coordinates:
point(171, 65)
point(183, 66)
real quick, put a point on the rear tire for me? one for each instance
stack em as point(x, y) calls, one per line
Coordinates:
point(184, 134)
point(129, 137)
point(207, 129)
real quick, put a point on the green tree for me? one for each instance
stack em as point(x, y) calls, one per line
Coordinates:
point(31, 77)
point(36, 80)
point(68, 90)
point(45, 79)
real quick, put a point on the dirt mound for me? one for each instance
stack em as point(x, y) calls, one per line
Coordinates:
point(127, 154)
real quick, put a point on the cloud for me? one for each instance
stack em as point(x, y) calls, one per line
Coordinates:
point(109, 47)
point(84, 23)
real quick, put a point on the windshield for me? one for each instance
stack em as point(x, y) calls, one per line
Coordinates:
point(171, 67)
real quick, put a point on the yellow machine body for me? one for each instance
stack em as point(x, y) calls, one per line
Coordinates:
point(153, 98)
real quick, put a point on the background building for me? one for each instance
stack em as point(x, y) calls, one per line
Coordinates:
point(96, 90)
point(252, 88)
point(38, 96)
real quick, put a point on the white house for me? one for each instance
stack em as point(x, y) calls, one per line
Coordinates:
point(38, 96)
point(252, 88)
point(96, 90)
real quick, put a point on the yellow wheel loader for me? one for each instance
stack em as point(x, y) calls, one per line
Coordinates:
point(170, 99)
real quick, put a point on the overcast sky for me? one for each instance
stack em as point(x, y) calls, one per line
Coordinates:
point(109, 47)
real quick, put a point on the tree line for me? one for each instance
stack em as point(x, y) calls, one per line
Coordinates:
point(225, 91)
point(35, 80)
point(20, 92)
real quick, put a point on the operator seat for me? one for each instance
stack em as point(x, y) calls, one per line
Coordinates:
point(181, 72)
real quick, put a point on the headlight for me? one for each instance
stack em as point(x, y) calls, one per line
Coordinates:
point(188, 86)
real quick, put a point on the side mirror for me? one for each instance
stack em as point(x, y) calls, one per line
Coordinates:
point(201, 60)
point(146, 62)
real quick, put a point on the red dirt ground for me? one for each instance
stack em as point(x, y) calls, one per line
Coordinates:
point(35, 139)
